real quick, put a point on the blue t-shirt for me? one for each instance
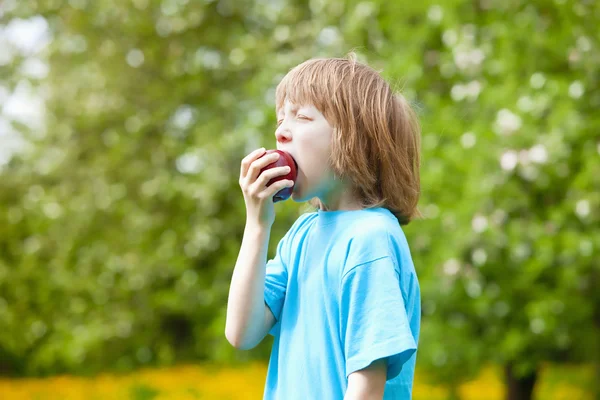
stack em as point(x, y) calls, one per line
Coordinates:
point(344, 292)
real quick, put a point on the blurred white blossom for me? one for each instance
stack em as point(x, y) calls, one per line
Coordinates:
point(524, 159)
point(584, 44)
point(529, 172)
point(498, 216)
point(329, 36)
point(509, 160)
point(537, 80)
point(163, 27)
point(466, 58)
point(26, 106)
point(521, 252)
point(365, 9)
point(525, 104)
point(451, 267)
point(135, 58)
point(468, 140)
point(576, 90)
point(35, 68)
point(208, 58)
point(282, 33)
point(450, 37)
point(189, 163)
point(582, 208)
point(470, 90)
point(507, 122)
point(52, 210)
point(473, 289)
point(537, 325)
point(479, 223)
point(435, 13)
point(183, 117)
point(538, 154)
point(29, 36)
point(479, 257)
point(237, 56)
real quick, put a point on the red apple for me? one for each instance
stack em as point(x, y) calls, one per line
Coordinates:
point(284, 159)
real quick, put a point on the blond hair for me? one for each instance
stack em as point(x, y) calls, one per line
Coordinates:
point(376, 139)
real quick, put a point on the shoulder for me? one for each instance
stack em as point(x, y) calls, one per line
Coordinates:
point(375, 237)
point(379, 230)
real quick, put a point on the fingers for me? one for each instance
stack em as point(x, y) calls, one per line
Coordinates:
point(249, 159)
point(261, 183)
point(254, 183)
point(276, 187)
point(269, 174)
point(259, 164)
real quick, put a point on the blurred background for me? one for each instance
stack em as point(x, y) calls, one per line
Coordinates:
point(122, 128)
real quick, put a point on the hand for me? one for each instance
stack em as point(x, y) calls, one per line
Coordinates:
point(259, 197)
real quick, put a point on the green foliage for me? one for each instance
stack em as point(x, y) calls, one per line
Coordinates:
point(120, 223)
point(143, 392)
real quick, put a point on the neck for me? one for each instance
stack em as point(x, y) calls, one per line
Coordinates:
point(340, 198)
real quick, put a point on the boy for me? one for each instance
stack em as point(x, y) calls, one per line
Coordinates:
point(341, 297)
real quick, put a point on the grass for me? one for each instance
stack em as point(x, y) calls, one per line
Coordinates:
point(210, 382)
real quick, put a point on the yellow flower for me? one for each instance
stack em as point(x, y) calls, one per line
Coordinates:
point(210, 381)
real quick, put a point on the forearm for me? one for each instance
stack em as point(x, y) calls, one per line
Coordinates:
point(368, 383)
point(245, 305)
point(354, 392)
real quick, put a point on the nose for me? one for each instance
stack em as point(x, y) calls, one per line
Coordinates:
point(282, 134)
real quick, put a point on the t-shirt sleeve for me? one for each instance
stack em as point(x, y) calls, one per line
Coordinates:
point(276, 284)
point(374, 319)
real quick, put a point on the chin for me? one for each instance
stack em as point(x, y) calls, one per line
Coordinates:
point(298, 196)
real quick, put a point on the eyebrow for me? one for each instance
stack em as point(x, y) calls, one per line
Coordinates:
point(294, 108)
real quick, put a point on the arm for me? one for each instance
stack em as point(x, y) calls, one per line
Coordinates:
point(367, 383)
point(248, 317)
point(374, 324)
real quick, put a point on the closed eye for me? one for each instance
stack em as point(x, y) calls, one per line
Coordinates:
point(299, 116)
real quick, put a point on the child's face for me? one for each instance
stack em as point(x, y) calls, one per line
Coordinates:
point(304, 132)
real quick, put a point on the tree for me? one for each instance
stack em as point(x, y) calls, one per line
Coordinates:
point(519, 149)
point(120, 226)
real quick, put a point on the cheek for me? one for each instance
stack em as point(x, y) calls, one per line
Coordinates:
point(315, 174)
point(313, 151)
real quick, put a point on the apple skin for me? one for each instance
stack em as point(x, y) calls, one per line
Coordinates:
point(284, 159)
